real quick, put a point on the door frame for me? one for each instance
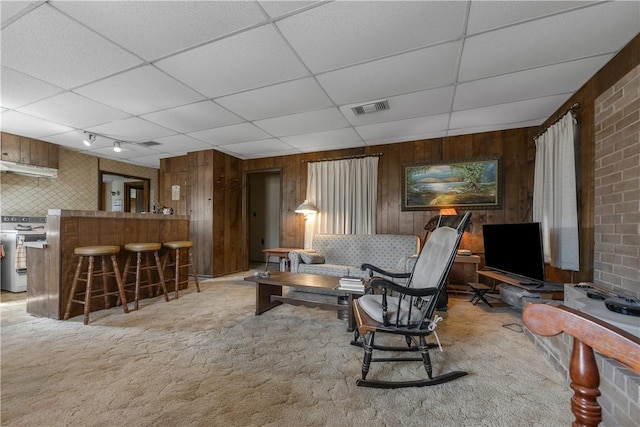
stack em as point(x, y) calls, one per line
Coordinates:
point(246, 214)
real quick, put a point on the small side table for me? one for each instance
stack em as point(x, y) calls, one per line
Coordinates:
point(278, 252)
point(479, 290)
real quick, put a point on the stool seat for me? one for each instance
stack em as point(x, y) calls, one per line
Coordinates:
point(96, 250)
point(178, 244)
point(142, 247)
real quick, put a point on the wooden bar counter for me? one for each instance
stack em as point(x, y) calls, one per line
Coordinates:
point(51, 268)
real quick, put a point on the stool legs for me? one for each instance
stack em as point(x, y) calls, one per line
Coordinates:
point(177, 267)
point(193, 268)
point(148, 267)
point(88, 293)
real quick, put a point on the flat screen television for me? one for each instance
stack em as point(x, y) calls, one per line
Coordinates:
point(515, 249)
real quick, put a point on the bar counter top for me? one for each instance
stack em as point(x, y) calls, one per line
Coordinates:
point(105, 214)
point(51, 269)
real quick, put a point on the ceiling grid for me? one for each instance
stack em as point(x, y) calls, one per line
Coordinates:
point(259, 79)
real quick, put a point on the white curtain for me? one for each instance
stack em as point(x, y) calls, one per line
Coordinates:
point(554, 194)
point(345, 192)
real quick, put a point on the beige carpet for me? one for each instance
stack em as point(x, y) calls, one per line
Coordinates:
point(207, 360)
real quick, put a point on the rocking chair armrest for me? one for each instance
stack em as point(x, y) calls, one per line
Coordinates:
point(378, 270)
point(414, 292)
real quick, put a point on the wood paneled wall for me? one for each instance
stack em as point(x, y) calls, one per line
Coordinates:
point(515, 147)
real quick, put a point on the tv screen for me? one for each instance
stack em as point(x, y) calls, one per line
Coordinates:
point(514, 249)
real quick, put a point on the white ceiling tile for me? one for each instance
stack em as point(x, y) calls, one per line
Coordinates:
point(128, 154)
point(415, 126)
point(417, 104)
point(50, 46)
point(29, 126)
point(11, 9)
point(249, 60)
point(132, 129)
point(513, 112)
point(73, 110)
point(242, 132)
point(193, 117)
point(566, 77)
point(19, 89)
point(487, 15)
point(558, 38)
point(140, 91)
point(153, 29)
point(296, 124)
point(422, 69)
point(258, 147)
point(348, 32)
point(490, 128)
point(404, 138)
point(277, 9)
point(180, 144)
point(277, 100)
point(319, 139)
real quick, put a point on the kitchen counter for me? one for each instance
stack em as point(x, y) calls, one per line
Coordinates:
point(52, 264)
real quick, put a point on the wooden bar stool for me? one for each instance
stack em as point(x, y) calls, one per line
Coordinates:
point(177, 246)
point(91, 252)
point(138, 249)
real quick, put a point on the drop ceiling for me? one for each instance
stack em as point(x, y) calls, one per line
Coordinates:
point(270, 78)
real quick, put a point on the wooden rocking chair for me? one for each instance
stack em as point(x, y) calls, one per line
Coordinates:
point(408, 309)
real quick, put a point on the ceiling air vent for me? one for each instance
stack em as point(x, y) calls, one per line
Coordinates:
point(371, 107)
point(149, 143)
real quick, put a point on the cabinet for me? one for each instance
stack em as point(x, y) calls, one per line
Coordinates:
point(214, 203)
point(10, 147)
point(29, 151)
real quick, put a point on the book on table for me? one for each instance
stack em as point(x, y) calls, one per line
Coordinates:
point(351, 283)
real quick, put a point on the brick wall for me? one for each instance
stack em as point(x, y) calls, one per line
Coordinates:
point(617, 186)
point(617, 228)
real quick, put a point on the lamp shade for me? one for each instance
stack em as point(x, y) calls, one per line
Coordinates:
point(306, 208)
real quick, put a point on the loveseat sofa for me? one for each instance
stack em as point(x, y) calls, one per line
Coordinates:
point(343, 254)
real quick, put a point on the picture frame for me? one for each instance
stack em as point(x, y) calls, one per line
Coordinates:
point(467, 184)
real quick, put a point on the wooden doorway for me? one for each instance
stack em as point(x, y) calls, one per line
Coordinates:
point(122, 193)
point(263, 203)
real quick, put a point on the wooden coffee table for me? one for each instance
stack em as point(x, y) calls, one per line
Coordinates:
point(269, 292)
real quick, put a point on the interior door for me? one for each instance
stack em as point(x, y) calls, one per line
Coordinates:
point(264, 213)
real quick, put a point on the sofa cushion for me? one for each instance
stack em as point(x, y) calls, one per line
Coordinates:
point(312, 258)
point(326, 269)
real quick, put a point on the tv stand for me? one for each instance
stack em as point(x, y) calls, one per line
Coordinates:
point(546, 290)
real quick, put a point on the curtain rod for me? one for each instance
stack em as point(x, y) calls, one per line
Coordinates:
point(574, 107)
point(356, 156)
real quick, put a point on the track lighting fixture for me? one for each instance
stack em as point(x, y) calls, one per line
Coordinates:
point(117, 147)
point(89, 139)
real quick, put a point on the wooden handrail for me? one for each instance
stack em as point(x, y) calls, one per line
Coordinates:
point(589, 333)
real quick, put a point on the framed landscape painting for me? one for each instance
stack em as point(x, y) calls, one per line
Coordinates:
point(468, 184)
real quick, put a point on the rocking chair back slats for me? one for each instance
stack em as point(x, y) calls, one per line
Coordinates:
point(408, 309)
